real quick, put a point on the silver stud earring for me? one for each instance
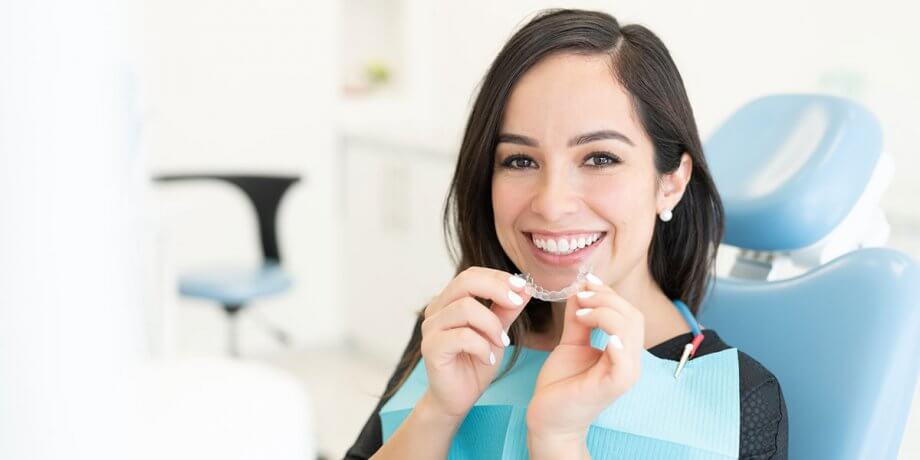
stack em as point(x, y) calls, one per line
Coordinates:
point(665, 215)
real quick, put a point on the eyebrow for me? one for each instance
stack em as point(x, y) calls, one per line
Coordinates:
point(577, 140)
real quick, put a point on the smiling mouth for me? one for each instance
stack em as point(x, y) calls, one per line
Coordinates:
point(561, 246)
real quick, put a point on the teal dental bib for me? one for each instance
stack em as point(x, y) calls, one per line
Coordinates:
point(694, 417)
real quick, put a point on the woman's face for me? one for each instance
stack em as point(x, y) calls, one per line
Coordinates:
point(573, 164)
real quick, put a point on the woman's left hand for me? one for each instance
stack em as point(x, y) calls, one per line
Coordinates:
point(578, 381)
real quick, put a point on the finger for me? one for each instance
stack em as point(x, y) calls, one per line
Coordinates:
point(605, 296)
point(505, 290)
point(467, 312)
point(574, 332)
point(612, 322)
point(624, 318)
point(448, 344)
point(620, 370)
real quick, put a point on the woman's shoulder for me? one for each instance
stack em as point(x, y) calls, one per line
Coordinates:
point(764, 421)
point(752, 373)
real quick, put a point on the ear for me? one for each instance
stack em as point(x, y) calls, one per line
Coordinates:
point(671, 186)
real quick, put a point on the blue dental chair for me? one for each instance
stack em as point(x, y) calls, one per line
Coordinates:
point(234, 288)
point(812, 294)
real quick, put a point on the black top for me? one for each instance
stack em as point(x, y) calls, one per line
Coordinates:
point(764, 425)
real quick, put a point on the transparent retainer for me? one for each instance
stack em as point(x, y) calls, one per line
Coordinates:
point(539, 292)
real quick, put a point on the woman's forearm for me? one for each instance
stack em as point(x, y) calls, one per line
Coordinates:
point(424, 434)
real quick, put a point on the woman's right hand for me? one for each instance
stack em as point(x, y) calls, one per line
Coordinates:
point(463, 341)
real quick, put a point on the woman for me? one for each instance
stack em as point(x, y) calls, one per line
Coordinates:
point(581, 150)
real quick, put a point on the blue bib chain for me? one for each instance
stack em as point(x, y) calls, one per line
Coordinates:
point(694, 345)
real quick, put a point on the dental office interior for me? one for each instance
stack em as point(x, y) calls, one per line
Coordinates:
point(220, 218)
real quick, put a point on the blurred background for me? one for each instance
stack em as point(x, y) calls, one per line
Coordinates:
point(363, 103)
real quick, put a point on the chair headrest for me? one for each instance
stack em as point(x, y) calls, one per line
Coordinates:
point(790, 167)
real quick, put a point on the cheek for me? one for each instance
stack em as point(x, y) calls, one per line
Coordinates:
point(507, 203)
point(612, 200)
point(624, 204)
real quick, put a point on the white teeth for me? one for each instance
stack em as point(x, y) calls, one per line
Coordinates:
point(564, 246)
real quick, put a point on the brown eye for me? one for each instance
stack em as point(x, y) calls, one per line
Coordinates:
point(601, 159)
point(518, 161)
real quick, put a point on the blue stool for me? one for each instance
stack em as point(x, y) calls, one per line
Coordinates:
point(236, 288)
point(811, 295)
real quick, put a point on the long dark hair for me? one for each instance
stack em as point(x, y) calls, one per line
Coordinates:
point(682, 253)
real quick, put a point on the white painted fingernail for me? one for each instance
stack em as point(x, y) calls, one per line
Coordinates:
point(505, 339)
point(492, 357)
point(515, 299)
point(583, 311)
point(585, 294)
point(594, 279)
point(517, 281)
point(615, 342)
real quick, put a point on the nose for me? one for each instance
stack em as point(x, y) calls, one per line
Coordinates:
point(557, 197)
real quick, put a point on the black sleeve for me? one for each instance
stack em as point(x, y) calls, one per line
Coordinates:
point(764, 422)
point(371, 437)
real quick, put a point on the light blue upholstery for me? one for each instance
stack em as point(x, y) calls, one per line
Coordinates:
point(843, 338)
point(790, 167)
point(235, 286)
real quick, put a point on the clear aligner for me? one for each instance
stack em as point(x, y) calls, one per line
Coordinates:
point(552, 296)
